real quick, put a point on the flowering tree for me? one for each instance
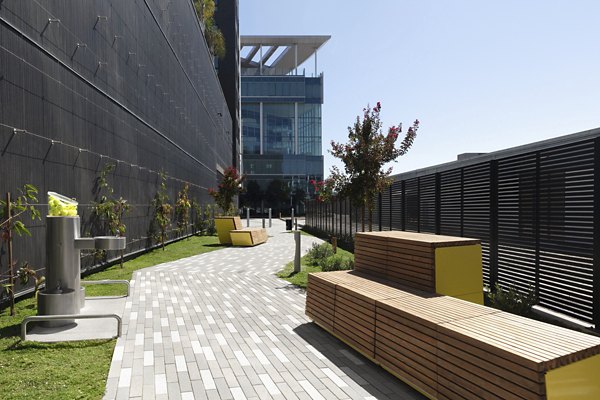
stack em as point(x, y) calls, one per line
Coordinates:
point(324, 190)
point(364, 156)
point(230, 186)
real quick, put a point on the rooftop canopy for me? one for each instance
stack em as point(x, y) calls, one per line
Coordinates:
point(279, 53)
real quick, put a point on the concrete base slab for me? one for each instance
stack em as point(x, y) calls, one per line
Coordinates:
point(84, 329)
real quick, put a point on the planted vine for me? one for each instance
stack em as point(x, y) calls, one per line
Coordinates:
point(11, 214)
point(162, 210)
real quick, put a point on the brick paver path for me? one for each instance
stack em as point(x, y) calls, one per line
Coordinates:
point(222, 326)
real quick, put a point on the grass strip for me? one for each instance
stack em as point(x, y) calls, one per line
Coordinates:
point(73, 370)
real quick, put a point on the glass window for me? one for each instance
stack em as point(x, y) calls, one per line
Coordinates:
point(278, 125)
point(309, 129)
point(251, 128)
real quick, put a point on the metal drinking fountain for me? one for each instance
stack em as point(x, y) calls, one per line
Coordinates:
point(64, 294)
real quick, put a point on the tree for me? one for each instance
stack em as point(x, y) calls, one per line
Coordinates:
point(205, 10)
point(364, 156)
point(277, 193)
point(229, 187)
point(253, 195)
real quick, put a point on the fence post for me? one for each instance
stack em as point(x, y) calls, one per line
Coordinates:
point(403, 209)
point(380, 207)
point(493, 223)
point(536, 224)
point(596, 272)
point(297, 253)
point(438, 204)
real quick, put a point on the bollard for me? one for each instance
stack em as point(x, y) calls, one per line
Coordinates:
point(270, 224)
point(296, 223)
point(263, 222)
point(297, 256)
point(247, 216)
point(292, 216)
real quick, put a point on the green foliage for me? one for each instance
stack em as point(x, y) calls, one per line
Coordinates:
point(319, 252)
point(205, 11)
point(300, 279)
point(109, 211)
point(364, 157)
point(336, 262)
point(162, 210)
point(21, 204)
point(229, 187)
point(277, 194)
point(182, 209)
point(208, 221)
point(513, 300)
point(25, 273)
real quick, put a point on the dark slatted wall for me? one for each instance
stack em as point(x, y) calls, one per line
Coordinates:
point(533, 209)
point(85, 84)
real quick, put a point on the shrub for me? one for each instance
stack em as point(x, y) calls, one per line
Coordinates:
point(336, 262)
point(513, 300)
point(319, 252)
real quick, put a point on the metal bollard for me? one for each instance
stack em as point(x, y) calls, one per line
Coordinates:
point(297, 256)
point(247, 216)
point(296, 223)
point(263, 222)
point(292, 218)
point(270, 223)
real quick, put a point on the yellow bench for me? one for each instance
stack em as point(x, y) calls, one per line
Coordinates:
point(226, 224)
point(248, 236)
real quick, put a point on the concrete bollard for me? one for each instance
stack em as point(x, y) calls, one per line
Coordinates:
point(297, 256)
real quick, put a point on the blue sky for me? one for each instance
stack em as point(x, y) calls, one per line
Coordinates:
point(480, 75)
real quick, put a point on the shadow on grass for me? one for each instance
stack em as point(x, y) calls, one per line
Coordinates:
point(9, 331)
point(84, 344)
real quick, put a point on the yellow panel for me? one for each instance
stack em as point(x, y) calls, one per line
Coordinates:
point(241, 239)
point(472, 297)
point(223, 226)
point(458, 271)
point(577, 381)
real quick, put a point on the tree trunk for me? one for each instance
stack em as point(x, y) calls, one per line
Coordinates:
point(362, 218)
point(11, 275)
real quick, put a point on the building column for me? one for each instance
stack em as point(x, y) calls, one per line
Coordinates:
point(261, 128)
point(295, 128)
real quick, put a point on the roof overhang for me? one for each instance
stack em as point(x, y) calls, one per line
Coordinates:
point(291, 51)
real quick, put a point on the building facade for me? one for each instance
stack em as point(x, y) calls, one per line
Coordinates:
point(281, 112)
point(89, 85)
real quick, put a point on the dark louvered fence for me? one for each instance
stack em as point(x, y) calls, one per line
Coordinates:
point(534, 208)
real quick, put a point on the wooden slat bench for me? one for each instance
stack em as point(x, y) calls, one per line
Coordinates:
point(248, 236)
point(449, 348)
point(441, 264)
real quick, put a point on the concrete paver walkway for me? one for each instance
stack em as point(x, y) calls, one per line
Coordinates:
point(221, 325)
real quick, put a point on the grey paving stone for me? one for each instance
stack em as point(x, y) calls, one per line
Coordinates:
point(221, 324)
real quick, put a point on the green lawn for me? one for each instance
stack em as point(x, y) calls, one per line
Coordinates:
point(300, 279)
point(73, 370)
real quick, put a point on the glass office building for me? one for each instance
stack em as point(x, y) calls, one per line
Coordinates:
point(281, 110)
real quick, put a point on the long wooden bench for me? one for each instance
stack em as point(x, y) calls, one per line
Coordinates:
point(449, 348)
point(248, 236)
